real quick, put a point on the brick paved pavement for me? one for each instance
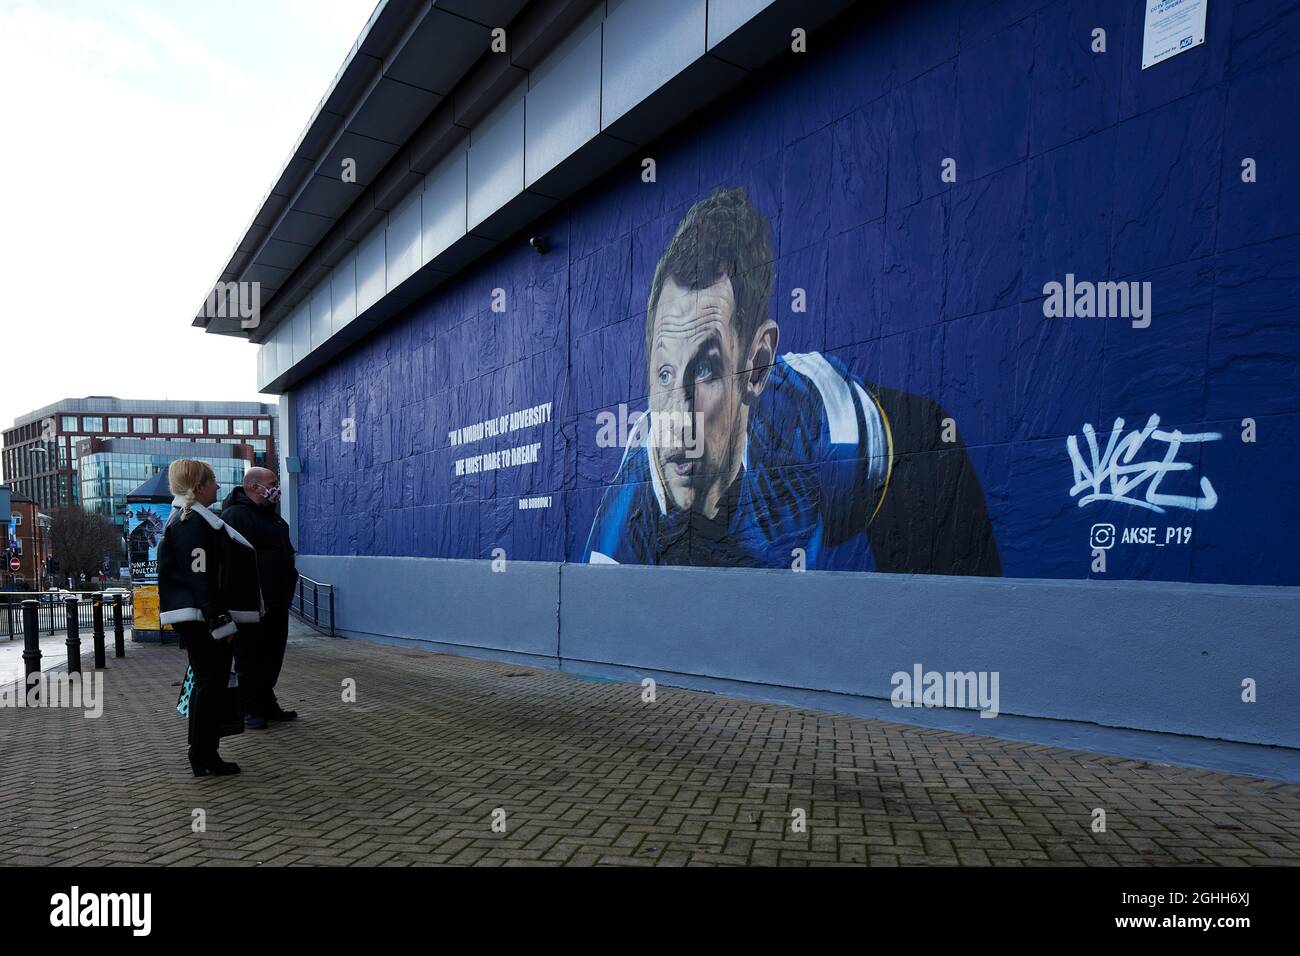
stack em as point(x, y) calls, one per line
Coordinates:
point(411, 773)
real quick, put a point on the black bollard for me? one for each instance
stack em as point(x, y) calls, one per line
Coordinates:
point(74, 636)
point(97, 627)
point(31, 644)
point(119, 639)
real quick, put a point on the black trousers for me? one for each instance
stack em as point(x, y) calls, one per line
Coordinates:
point(259, 657)
point(211, 662)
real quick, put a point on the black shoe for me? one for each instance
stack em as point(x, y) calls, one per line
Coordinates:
point(202, 765)
point(255, 723)
point(282, 715)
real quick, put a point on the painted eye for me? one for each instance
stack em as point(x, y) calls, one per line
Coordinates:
point(665, 376)
point(703, 372)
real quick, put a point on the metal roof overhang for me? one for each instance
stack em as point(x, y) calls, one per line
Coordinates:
point(409, 57)
point(413, 86)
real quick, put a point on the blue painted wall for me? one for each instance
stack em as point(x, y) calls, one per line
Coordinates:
point(1067, 161)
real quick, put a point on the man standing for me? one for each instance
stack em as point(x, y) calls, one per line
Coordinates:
point(259, 648)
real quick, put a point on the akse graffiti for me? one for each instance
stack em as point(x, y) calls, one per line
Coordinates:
point(1113, 475)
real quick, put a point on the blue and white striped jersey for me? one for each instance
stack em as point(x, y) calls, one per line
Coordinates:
point(816, 466)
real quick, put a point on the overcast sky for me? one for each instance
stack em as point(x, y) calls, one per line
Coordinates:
point(136, 141)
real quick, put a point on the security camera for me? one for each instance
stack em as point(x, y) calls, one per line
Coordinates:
point(540, 243)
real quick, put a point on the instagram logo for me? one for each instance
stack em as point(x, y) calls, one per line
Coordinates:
point(1103, 536)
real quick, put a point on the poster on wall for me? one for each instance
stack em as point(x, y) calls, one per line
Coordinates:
point(145, 612)
point(1171, 27)
point(145, 525)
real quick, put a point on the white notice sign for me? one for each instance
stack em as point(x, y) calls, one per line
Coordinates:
point(1172, 26)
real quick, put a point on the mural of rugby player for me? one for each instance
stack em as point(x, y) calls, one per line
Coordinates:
point(750, 454)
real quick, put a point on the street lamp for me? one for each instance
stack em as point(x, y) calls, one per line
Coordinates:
point(125, 512)
point(43, 548)
point(37, 450)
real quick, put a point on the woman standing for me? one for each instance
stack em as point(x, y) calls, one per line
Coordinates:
point(207, 584)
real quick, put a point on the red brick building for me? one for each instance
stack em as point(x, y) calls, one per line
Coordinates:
point(28, 539)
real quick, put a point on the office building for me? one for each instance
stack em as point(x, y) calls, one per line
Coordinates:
point(40, 455)
point(110, 469)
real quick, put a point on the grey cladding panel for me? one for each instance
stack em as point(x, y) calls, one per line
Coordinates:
point(438, 52)
point(284, 255)
point(647, 43)
point(563, 107)
point(393, 111)
point(328, 196)
point(490, 13)
point(726, 16)
point(302, 227)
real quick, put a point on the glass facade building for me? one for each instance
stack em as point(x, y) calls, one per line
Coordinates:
point(113, 470)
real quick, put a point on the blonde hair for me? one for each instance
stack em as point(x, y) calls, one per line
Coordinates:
point(185, 476)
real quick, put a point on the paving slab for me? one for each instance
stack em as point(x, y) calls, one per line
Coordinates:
point(444, 759)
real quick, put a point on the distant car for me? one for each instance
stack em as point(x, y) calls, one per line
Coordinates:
point(122, 591)
point(56, 594)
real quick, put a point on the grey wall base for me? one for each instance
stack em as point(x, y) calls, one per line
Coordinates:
point(1149, 670)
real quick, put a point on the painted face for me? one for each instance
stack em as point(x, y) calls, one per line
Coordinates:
point(698, 430)
point(270, 492)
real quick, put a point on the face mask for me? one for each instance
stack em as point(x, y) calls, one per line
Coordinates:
point(272, 494)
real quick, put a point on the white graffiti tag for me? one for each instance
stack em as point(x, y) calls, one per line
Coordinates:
point(1112, 474)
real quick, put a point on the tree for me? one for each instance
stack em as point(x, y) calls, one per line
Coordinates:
point(81, 540)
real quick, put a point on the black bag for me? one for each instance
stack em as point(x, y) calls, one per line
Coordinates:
point(229, 709)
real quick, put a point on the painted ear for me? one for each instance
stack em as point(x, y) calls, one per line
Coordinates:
point(762, 356)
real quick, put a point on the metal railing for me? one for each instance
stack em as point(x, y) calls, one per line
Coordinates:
point(51, 609)
point(313, 603)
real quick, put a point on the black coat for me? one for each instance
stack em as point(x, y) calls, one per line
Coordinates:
point(269, 535)
point(218, 587)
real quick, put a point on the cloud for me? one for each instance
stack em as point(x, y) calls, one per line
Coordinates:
point(186, 53)
point(138, 141)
